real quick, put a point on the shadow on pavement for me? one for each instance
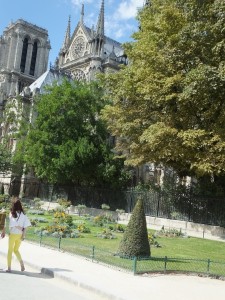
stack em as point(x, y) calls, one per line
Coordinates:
point(29, 274)
point(50, 271)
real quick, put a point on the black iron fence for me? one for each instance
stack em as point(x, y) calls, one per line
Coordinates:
point(184, 205)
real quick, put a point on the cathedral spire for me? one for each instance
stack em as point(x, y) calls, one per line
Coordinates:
point(82, 14)
point(67, 36)
point(100, 24)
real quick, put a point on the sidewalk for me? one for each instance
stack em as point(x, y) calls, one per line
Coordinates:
point(112, 283)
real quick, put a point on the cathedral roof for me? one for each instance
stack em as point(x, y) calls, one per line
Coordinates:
point(22, 22)
point(50, 77)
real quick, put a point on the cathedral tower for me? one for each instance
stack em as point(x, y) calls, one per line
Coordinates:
point(24, 52)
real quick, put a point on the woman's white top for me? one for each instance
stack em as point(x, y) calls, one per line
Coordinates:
point(21, 220)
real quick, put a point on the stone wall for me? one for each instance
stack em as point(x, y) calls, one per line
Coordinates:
point(189, 228)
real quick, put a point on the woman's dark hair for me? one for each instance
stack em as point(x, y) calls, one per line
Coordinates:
point(16, 207)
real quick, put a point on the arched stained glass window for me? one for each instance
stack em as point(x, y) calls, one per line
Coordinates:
point(24, 55)
point(33, 58)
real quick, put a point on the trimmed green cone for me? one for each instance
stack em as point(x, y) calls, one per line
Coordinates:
point(135, 239)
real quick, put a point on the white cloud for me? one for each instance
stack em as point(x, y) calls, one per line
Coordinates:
point(80, 2)
point(128, 9)
point(121, 23)
point(120, 30)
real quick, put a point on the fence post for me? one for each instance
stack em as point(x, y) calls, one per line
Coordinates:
point(40, 239)
point(60, 239)
point(135, 265)
point(208, 265)
point(158, 201)
point(165, 264)
point(93, 253)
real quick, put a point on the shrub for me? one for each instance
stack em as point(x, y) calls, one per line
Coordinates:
point(117, 228)
point(135, 238)
point(64, 203)
point(172, 232)
point(101, 220)
point(83, 228)
point(105, 206)
point(152, 241)
point(106, 234)
point(80, 208)
point(36, 212)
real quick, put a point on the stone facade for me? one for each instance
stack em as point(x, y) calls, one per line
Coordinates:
point(24, 52)
point(88, 51)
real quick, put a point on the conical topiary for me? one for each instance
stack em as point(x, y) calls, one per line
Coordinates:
point(135, 239)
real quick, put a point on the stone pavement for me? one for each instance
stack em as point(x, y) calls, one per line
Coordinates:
point(112, 283)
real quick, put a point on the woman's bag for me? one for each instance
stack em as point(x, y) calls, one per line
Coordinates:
point(2, 220)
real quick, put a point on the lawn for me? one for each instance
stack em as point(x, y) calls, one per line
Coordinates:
point(183, 253)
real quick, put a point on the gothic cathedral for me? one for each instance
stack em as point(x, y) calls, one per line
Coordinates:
point(24, 54)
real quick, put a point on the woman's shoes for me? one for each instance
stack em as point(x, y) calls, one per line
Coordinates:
point(22, 267)
point(8, 270)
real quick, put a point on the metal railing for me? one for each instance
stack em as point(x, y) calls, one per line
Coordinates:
point(173, 204)
point(136, 265)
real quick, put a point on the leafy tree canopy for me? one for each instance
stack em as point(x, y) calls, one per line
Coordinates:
point(168, 105)
point(5, 158)
point(68, 142)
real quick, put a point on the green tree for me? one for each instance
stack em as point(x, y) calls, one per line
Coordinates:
point(5, 158)
point(67, 141)
point(135, 238)
point(168, 105)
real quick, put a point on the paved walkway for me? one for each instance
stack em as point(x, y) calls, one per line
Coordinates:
point(112, 283)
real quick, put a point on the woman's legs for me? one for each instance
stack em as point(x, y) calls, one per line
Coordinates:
point(17, 253)
point(10, 250)
point(14, 244)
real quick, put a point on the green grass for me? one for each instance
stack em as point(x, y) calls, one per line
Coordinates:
point(184, 254)
point(190, 247)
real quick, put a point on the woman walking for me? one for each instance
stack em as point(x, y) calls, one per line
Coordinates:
point(18, 222)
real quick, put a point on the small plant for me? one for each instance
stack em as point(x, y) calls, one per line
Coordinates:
point(69, 220)
point(83, 228)
point(120, 211)
point(64, 203)
point(106, 234)
point(105, 206)
point(80, 208)
point(36, 212)
point(101, 220)
point(172, 232)
point(40, 220)
point(3, 198)
point(37, 203)
point(175, 215)
point(60, 215)
point(117, 228)
point(33, 222)
point(75, 234)
point(152, 241)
